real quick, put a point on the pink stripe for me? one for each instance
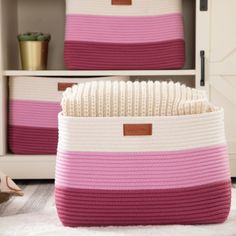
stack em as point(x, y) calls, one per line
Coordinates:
point(33, 113)
point(142, 170)
point(113, 29)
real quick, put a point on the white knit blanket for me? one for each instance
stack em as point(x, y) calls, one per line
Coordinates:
point(146, 98)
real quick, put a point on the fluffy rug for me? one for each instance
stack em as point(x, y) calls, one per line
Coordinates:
point(46, 223)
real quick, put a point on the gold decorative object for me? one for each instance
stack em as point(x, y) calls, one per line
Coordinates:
point(34, 50)
point(34, 55)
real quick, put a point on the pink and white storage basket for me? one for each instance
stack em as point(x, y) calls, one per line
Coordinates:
point(105, 34)
point(177, 174)
point(33, 109)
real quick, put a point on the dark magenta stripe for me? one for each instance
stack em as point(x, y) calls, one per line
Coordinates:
point(105, 56)
point(32, 140)
point(196, 205)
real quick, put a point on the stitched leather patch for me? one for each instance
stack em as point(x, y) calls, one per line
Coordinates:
point(137, 129)
point(64, 86)
point(121, 2)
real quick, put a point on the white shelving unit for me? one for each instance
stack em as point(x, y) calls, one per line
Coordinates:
point(28, 166)
point(48, 16)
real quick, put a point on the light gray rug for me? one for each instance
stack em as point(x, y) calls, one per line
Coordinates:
point(38, 195)
point(46, 223)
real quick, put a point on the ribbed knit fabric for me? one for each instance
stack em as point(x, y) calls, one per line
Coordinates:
point(177, 175)
point(33, 109)
point(119, 98)
point(146, 35)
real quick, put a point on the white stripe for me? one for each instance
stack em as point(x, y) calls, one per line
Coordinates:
point(45, 89)
point(169, 133)
point(138, 7)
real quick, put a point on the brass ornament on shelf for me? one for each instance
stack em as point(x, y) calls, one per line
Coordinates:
point(34, 55)
point(34, 50)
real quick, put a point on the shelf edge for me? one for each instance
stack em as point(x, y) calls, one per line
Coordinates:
point(101, 73)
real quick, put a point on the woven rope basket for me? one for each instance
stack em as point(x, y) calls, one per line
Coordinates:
point(144, 35)
point(140, 170)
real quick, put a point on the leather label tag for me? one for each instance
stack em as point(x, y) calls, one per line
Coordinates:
point(137, 129)
point(121, 2)
point(64, 86)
